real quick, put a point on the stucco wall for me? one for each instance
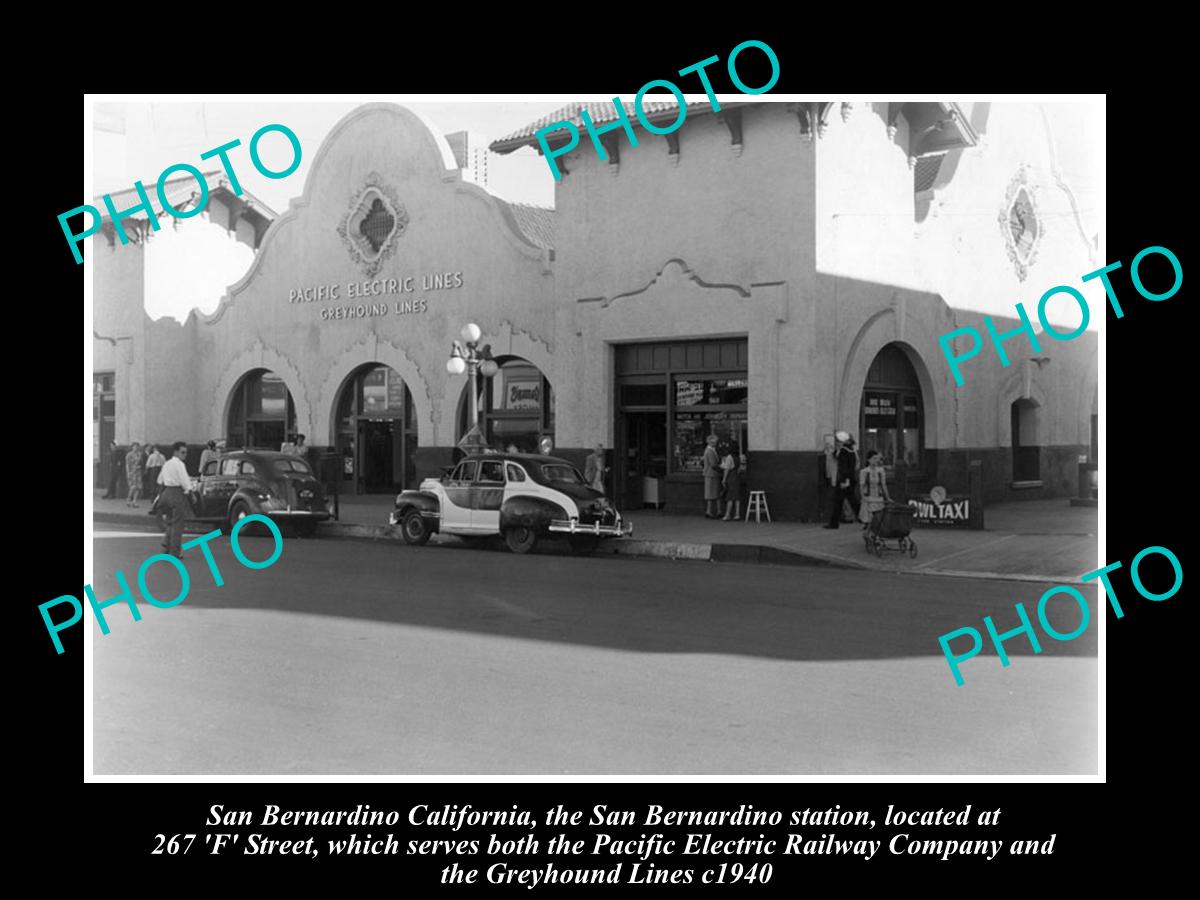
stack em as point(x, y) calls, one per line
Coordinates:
point(697, 247)
point(117, 322)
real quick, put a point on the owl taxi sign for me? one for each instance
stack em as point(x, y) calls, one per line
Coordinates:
point(941, 509)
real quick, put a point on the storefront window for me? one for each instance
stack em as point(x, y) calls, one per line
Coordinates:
point(711, 392)
point(707, 405)
point(691, 434)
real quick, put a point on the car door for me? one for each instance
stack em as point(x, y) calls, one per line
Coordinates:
point(487, 495)
point(456, 507)
point(209, 476)
point(218, 491)
point(249, 477)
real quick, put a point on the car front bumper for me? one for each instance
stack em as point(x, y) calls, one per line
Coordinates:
point(574, 526)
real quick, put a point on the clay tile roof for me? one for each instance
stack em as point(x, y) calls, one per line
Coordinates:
point(925, 172)
point(535, 222)
point(657, 111)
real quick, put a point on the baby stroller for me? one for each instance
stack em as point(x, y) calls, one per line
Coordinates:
point(893, 522)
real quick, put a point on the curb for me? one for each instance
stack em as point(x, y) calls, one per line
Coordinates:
point(754, 554)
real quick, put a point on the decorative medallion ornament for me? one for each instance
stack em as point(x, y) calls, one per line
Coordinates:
point(373, 224)
point(1020, 223)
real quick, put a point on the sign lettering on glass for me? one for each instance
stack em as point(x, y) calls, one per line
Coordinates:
point(524, 395)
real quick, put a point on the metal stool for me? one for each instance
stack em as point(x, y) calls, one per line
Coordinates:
point(758, 505)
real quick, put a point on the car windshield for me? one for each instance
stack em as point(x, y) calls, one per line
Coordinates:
point(291, 465)
point(568, 474)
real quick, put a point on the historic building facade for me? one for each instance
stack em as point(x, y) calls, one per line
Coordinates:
point(772, 273)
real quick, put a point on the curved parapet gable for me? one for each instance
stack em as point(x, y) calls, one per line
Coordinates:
point(385, 248)
point(434, 160)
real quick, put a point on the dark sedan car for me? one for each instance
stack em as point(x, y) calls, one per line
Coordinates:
point(244, 482)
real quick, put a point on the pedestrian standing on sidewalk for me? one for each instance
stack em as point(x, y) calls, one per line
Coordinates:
point(116, 462)
point(712, 479)
point(733, 485)
point(175, 482)
point(594, 469)
point(154, 464)
point(854, 501)
point(845, 477)
point(831, 470)
point(873, 480)
point(208, 453)
point(133, 473)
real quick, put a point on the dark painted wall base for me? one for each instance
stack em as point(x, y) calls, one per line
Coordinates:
point(795, 484)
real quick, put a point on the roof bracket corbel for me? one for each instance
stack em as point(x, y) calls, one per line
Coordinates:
point(612, 149)
point(733, 121)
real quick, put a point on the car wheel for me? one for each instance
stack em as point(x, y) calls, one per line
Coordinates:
point(237, 512)
point(520, 538)
point(583, 544)
point(306, 529)
point(414, 528)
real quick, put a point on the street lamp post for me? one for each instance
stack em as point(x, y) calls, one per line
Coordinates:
point(467, 356)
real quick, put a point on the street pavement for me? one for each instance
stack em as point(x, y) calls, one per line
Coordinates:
point(372, 658)
point(1031, 540)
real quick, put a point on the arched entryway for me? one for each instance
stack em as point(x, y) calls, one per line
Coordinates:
point(375, 431)
point(516, 406)
point(892, 418)
point(261, 413)
point(1026, 441)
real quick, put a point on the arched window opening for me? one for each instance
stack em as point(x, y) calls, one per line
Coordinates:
point(516, 406)
point(262, 415)
point(893, 410)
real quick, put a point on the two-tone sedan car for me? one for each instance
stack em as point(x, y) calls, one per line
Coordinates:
point(244, 482)
point(524, 497)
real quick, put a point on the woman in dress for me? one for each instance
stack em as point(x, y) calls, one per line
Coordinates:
point(732, 464)
point(594, 469)
point(873, 484)
point(133, 473)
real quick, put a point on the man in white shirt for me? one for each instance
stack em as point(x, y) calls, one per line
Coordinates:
point(175, 480)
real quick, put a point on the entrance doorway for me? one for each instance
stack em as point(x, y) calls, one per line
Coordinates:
point(376, 432)
point(381, 462)
point(1026, 452)
point(642, 450)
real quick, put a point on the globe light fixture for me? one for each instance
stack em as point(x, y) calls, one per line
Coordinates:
point(468, 356)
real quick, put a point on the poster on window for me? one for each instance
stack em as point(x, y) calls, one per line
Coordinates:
point(879, 410)
point(523, 393)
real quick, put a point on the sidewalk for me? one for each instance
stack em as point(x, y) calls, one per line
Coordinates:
point(1038, 540)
